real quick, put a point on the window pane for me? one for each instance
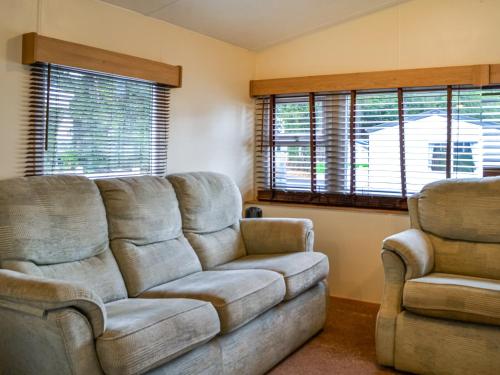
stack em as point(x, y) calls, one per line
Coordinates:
point(463, 157)
point(425, 134)
point(490, 121)
point(292, 139)
point(332, 143)
point(466, 134)
point(100, 125)
point(377, 154)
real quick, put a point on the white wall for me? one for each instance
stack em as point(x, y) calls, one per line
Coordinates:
point(352, 239)
point(416, 34)
point(211, 117)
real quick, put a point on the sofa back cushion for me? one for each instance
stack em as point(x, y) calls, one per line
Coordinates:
point(211, 206)
point(55, 226)
point(463, 209)
point(145, 230)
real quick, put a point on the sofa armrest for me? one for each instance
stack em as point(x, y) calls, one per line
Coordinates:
point(272, 235)
point(37, 296)
point(414, 247)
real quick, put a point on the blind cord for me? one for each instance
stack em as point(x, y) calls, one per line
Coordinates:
point(47, 108)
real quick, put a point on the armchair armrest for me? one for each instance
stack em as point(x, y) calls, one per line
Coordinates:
point(272, 235)
point(37, 296)
point(414, 247)
point(405, 255)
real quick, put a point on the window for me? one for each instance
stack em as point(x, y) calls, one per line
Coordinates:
point(373, 148)
point(95, 124)
point(462, 157)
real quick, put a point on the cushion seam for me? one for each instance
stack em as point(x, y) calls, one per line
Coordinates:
point(454, 285)
point(305, 270)
point(274, 270)
point(152, 324)
point(445, 309)
point(250, 294)
point(131, 241)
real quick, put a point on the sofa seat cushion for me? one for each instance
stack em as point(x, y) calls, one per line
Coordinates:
point(301, 271)
point(144, 333)
point(457, 297)
point(238, 296)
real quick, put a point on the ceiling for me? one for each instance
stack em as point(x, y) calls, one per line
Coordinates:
point(254, 24)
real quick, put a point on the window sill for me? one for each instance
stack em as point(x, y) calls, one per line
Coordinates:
point(325, 207)
point(371, 202)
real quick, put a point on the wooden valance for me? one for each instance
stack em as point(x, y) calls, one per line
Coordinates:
point(477, 75)
point(42, 49)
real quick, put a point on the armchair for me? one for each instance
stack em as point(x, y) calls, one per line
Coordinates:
point(440, 311)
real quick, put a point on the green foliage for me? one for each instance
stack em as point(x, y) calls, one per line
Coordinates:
point(100, 122)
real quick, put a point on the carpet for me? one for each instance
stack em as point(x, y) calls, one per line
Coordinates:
point(345, 346)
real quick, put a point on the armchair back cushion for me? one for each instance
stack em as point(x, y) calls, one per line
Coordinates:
point(145, 230)
point(462, 219)
point(462, 209)
point(55, 226)
point(211, 206)
point(479, 259)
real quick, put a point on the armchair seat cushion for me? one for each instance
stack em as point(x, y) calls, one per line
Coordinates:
point(456, 297)
point(238, 296)
point(144, 333)
point(301, 271)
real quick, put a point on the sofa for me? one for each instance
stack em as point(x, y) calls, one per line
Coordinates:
point(440, 312)
point(151, 275)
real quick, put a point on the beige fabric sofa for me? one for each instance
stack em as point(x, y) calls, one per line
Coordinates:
point(440, 312)
point(149, 274)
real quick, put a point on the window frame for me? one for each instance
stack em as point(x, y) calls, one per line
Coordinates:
point(351, 199)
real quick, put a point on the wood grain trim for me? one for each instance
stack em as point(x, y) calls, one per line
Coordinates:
point(254, 202)
point(333, 199)
point(449, 119)
point(402, 148)
point(352, 141)
point(495, 74)
point(480, 75)
point(312, 140)
point(38, 48)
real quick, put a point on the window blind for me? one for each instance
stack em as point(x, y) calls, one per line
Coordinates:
point(373, 148)
point(95, 124)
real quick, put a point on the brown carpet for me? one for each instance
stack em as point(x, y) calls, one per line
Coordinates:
point(345, 346)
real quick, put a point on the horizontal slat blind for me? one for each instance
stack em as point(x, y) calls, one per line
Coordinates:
point(262, 143)
point(372, 149)
point(377, 161)
point(490, 121)
point(292, 150)
point(425, 128)
point(95, 124)
point(332, 143)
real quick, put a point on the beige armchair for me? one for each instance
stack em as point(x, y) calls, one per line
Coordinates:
point(440, 312)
